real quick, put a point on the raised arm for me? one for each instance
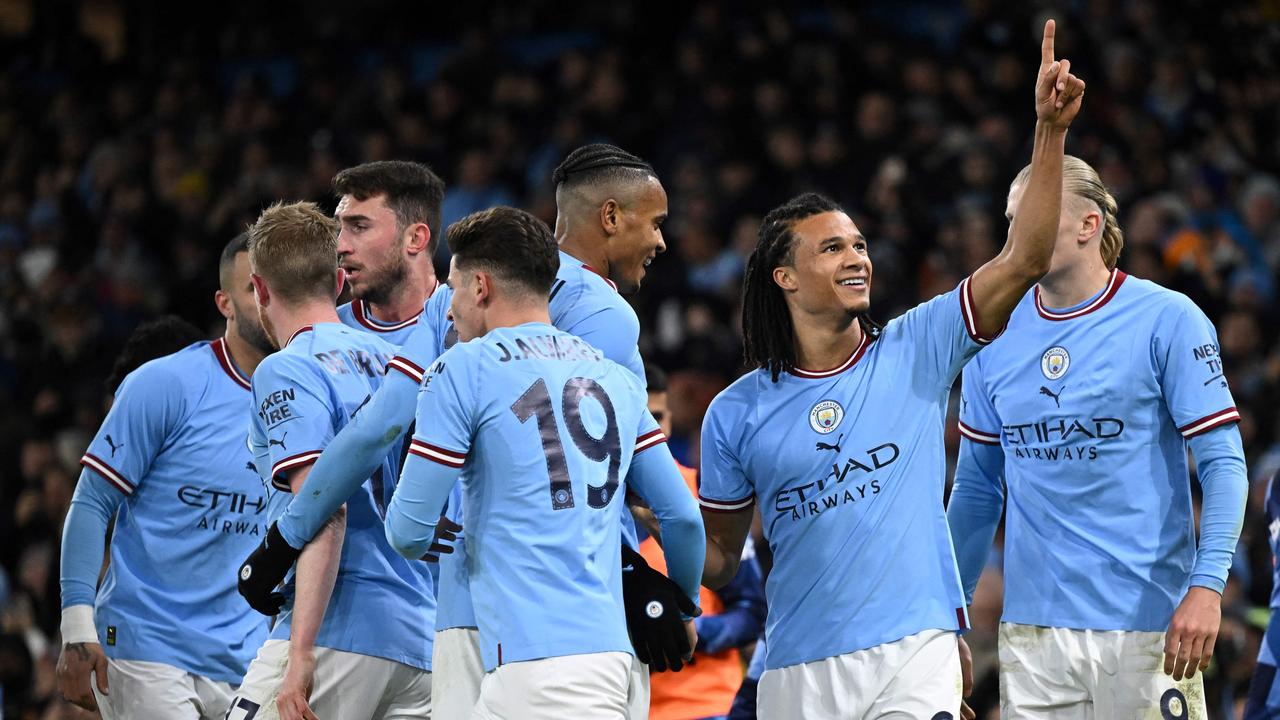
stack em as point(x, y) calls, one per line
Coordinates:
point(999, 284)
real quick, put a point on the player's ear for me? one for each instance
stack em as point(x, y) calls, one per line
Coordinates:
point(223, 301)
point(483, 283)
point(260, 292)
point(609, 217)
point(340, 279)
point(785, 277)
point(416, 238)
point(1090, 224)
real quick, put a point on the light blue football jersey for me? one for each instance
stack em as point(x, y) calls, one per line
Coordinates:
point(581, 303)
point(356, 314)
point(304, 394)
point(544, 429)
point(1267, 654)
point(174, 445)
point(848, 466)
point(1092, 407)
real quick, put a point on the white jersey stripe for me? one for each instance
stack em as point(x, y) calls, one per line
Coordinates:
point(108, 472)
point(727, 505)
point(1209, 422)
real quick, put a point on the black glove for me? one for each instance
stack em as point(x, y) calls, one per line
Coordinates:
point(654, 604)
point(263, 571)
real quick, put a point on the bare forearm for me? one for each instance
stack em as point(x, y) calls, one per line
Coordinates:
point(720, 566)
point(317, 571)
point(1035, 226)
point(726, 536)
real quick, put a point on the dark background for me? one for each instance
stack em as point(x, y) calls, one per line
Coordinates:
point(137, 138)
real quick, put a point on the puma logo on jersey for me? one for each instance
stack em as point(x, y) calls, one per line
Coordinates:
point(1046, 391)
point(823, 446)
point(114, 446)
point(280, 442)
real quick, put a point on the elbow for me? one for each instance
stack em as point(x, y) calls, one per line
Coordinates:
point(720, 568)
point(339, 517)
point(402, 542)
point(715, 579)
point(1031, 266)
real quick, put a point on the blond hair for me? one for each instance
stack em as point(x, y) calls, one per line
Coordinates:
point(294, 248)
point(1082, 181)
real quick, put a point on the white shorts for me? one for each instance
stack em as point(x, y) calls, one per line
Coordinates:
point(1059, 673)
point(139, 690)
point(915, 677)
point(459, 672)
point(595, 686)
point(348, 685)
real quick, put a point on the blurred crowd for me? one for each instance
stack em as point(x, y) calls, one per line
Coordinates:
point(136, 139)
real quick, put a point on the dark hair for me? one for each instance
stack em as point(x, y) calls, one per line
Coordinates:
point(509, 243)
point(412, 191)
point(163, 336)
point(599, 162)
point(227, 261)
point(768, 335)
point(655, 378)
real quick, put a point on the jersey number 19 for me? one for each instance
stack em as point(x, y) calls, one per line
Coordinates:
point(536, 402)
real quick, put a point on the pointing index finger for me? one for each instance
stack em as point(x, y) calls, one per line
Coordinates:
point(1046, 45)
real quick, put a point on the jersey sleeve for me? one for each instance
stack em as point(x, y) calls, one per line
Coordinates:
point(1191, 373)
point(427, 341)
point(608, 325)
point(292, 410)
point(149, 406)
point(447, 405)
point(978, 419)
point(945, 331)
point(83, 537)
point(724, 484)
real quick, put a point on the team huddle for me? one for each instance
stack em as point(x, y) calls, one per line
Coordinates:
point(436, 497)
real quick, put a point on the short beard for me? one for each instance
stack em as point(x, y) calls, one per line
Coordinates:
point(380, 289)
point(250, 329)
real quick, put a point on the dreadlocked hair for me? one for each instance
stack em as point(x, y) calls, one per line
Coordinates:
point(592, 164)
point(767, 331)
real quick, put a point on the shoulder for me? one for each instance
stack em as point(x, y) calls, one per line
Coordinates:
point(460, 358)
point(569, 286)
point(1155, 300)
point(293, 363)
point(439, 300)
point(737, 401)
point(182, 373)
point(369, 341)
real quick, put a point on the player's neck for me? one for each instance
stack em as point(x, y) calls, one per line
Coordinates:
point(245, 356)
point(407, 299)
point(506, 314)
point(822, 342)
point(1071, 286)
point(287, 321)
point(590, 251)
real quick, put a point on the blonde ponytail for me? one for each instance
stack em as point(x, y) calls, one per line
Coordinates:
point(1081, 180)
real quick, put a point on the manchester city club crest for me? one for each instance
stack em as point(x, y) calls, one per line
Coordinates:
point(826, 416)
point(1054, 362)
